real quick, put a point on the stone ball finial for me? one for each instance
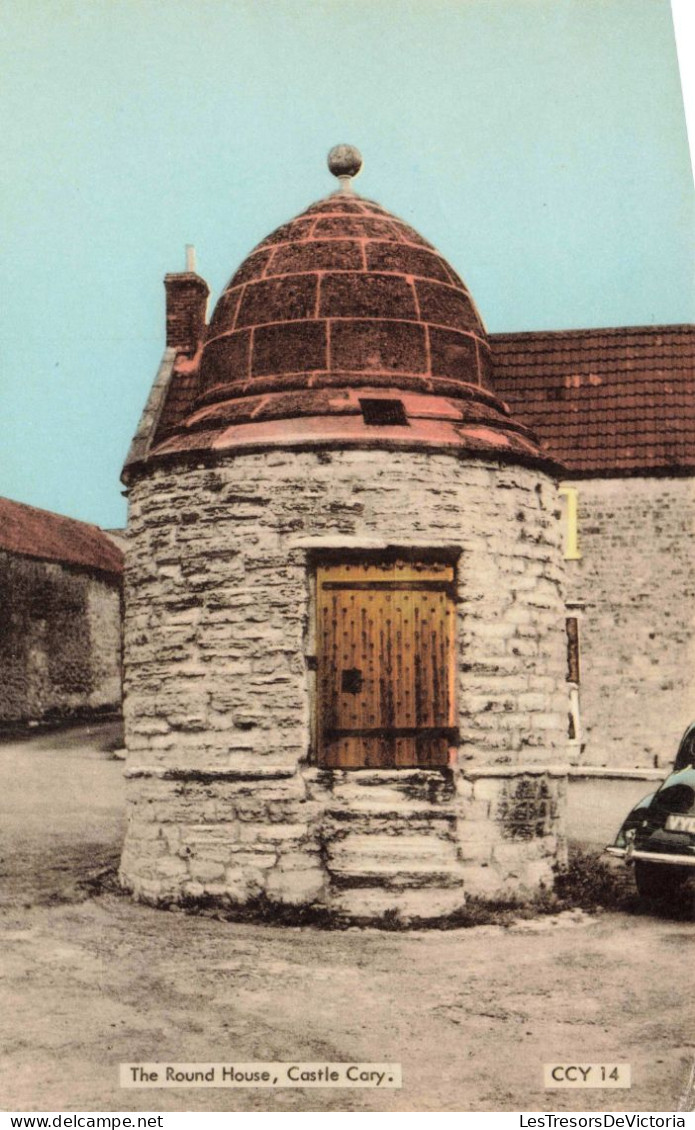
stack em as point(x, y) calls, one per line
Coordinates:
point(344, 161)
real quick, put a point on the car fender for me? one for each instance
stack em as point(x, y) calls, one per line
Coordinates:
point(633, 820)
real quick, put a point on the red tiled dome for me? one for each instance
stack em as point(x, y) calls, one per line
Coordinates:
point(345, 304)
point(343, 292)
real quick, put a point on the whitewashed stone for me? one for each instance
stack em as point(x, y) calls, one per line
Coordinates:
point(633, 592)
point(219, 688)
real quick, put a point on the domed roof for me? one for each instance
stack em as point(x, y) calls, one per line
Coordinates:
point(344, 326)
point(345, 291)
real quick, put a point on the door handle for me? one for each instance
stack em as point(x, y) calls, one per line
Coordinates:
point(351, 680)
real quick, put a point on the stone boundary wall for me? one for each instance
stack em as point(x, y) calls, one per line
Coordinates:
point(635, 590)
point(60, 641)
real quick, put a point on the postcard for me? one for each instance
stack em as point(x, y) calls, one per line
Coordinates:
point(347, 741)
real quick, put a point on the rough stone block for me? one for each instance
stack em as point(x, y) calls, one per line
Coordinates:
point(256, 860)
point(171, 868)
point(204, 869)
point(282, 832)
point(376, 902)
point(296, 886)
point(193, 890)
point(487, 788)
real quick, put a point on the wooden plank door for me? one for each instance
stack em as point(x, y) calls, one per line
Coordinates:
point(385, 641)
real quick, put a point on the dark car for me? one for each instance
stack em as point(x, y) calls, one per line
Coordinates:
point(658, 836)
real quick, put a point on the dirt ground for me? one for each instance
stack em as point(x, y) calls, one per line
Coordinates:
point(472, 1015)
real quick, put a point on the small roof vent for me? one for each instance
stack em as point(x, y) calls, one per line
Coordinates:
point(384, 413)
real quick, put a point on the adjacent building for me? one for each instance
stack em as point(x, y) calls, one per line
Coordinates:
point(617, 408)
point(60, 617)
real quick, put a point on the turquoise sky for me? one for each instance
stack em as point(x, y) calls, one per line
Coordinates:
point(540, 144)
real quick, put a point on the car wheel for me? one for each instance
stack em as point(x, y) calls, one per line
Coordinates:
point(658, 881)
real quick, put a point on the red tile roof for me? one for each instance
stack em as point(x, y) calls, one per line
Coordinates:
point(616, 401)
point(52, 537)
point(180, 395)
point(344, 300)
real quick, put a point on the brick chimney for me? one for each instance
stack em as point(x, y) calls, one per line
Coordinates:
point(186, 304)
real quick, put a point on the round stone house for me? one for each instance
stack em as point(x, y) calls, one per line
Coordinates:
point(345, 636)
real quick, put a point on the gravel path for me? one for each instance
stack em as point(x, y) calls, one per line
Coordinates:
point(472, 1015)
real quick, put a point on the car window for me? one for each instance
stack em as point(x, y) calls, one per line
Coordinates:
point(686, 750)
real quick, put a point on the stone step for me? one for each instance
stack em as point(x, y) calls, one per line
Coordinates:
point(394, 861)
point(394, 848)
point(389, 825)
point(396, 811)
point(393, 790)
point(396, 877)
point(374, 902)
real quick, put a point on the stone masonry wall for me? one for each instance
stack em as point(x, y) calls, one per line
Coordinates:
point(60, 641)
point(635, 587)
point(357, 843)
point(224, 800)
